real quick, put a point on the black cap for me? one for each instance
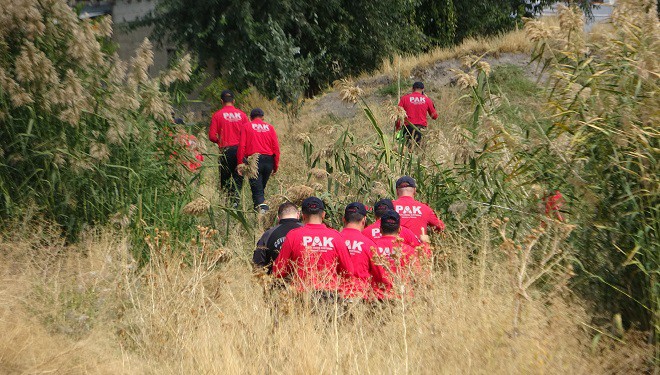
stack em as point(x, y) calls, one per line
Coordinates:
point(382, 205)
point(405, 181)
point(355, 208)
point(257, 112)
point(227, 96)
point(312, 205)
point(418, 85)
point(390, 222)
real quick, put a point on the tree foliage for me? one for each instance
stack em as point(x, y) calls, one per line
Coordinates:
point(289, 48)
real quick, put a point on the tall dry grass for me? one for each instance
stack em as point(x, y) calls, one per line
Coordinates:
point(513, 42)
point(89, 309)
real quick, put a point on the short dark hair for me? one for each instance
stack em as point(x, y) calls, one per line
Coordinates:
point(353, 217)
point(227, 96)
point(382, 206)
point(287, 208)
point(390, 222)
point(312, 206)
point(257, 112)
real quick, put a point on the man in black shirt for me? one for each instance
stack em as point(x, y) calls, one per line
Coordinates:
point(270, 243)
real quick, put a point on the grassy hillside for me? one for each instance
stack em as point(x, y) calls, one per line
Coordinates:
point(497, 299)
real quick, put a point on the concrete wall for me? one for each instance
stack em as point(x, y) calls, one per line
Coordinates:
point(124, 11)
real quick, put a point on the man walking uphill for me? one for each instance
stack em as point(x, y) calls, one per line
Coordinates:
point(259, 137)
point(314, 255)
point(415, 215)
point(225, 130)
point(360, 248)
point(416, 105)
point(270, 243)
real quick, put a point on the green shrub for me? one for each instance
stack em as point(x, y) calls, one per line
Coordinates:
point(84, 135)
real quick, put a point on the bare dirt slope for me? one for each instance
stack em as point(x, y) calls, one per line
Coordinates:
point(435, 77)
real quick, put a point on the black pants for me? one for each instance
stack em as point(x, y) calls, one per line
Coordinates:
point(413, 133)
point(258, 185)
point(230, 180)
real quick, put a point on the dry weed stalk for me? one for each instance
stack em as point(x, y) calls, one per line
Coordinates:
point(198, 207)
point(539, 255)
point(349, 91)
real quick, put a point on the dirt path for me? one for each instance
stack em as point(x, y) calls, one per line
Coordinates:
point(437, 75)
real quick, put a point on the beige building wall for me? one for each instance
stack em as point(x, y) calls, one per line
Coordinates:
point(124, 11)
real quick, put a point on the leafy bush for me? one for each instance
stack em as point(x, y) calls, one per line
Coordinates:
point(604, 96)
point(84, 134)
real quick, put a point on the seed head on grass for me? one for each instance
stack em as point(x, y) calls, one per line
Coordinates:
point(298, 193)
point(465, 80)
point(251, 168)
point(396, 113)
point(318, 173)
point(349, 91)
point(197, 207)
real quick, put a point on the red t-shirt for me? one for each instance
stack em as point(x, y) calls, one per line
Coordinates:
point(361, 250)
point(315, 255)
point(259, 137)
point(417, 105)
point(553, 205)
point(226, 124)
point(373, 232)
point(416, 215)
point(401, 257)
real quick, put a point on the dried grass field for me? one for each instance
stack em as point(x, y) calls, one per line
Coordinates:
point(500, 296)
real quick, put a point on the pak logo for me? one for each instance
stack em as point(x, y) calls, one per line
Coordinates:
point(417, 100)
point(318, 243)
point(407, 211)
point(261, 128)
point(232, 116)
point(375, 233)
point(354, 247)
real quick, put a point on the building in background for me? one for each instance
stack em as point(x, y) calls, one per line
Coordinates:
point(128, 40)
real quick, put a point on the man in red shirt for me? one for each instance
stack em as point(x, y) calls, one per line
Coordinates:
point(360, 248)
point(416, 105)
point(225, 130)
point(373, 231)
point(314, 255)
point(397, 258)
point(259, 137)
point(415, 215)
point(554, 201)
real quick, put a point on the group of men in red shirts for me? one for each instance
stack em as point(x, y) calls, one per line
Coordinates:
point(358, 262)
point(239, 138)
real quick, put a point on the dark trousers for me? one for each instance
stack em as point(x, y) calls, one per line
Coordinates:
point(413, 133)
point(230, 180)
point(258, 185)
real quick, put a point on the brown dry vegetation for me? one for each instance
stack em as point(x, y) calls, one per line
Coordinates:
point(89, 308)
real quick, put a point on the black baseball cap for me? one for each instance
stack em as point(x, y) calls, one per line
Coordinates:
point(312, 205)
point(227, 96)
point(418, 85)
point(257, 112)
point(355, 207)
point(405, 181)
point(382, 206)
point(390, 222)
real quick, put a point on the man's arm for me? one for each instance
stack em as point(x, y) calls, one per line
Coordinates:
point(431, 109)
point(282, 263)
point(276, 148)
point(242, 144)
point(213, 130)
point(434, 221)
point(260, 256)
